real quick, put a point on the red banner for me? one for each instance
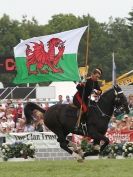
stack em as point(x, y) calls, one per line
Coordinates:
point(120, 136)
point(114, 137)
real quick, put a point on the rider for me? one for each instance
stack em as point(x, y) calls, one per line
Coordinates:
point(86, 88)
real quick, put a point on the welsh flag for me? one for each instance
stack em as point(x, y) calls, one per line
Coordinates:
point(48, 58)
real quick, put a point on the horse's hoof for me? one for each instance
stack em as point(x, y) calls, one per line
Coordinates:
point(72, 145)
point(97, 147)
point(81, 153)
point(80, 160)
point(78, 157)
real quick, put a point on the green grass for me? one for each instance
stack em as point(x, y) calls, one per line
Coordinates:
point(89, 168)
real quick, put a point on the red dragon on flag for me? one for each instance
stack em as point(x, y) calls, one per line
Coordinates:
point(40, 57)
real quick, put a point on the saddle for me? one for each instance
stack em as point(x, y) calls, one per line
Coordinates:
point(82, 129)
point(72, 105)
point(78, 112)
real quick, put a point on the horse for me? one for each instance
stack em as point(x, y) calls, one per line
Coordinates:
point(62, 118)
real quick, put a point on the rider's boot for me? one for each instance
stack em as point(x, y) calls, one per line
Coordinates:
point(78, 127)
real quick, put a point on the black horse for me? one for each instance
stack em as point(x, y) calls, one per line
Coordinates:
point(61, 119)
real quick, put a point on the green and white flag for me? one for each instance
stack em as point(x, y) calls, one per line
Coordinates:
point(48, 58)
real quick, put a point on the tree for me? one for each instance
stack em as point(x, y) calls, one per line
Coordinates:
point(61, 22)
point(130, 19)
point(104, 38)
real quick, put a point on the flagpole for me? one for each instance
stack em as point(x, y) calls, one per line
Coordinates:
point(86, 72)
point(87, 52)
point(113, 70)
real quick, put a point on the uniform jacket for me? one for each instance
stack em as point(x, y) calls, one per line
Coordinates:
point(90, 85)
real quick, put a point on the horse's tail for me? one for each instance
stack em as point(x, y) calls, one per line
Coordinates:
point(28, 111)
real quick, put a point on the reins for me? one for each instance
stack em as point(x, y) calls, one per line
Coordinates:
point(97, 106)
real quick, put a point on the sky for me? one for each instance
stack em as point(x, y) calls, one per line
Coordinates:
point(43, 10)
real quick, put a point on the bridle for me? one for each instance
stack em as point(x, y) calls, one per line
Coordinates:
point(119, 107)
point(116, 103)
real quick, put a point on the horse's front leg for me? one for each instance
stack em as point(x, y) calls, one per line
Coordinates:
point(64, 144)
point(98, 137)
point(76, 148)
point(76, 153)
point(105, 143)
point(96, 145)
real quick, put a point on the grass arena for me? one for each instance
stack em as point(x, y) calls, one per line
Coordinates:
point(68, 168)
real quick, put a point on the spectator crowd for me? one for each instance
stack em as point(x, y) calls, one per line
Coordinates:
point(12, 117)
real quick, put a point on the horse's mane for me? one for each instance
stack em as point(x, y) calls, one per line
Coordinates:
point(107, 91)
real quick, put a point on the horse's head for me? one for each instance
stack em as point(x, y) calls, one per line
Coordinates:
point(120, 99)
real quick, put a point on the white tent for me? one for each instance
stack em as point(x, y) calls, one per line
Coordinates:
point(64, 88)
point(1, 85)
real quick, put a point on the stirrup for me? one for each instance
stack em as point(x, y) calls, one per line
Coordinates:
point(76, 128)
point(84, 128)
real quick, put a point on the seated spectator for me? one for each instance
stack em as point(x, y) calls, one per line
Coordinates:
point(1, 106)
point(118, 127)
point(14, 112)
point(19, 110)
point(39, 122)
point(60, 99)
point(130, 101)
point(9, 102)
point(131, 125)
point(2, 111)
point(68, 100)
point(3, 125)
point(113, 124)
point(123, 125)
point(29, 128)
point(10, 122)
point(127, 118)
point(20, 125)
